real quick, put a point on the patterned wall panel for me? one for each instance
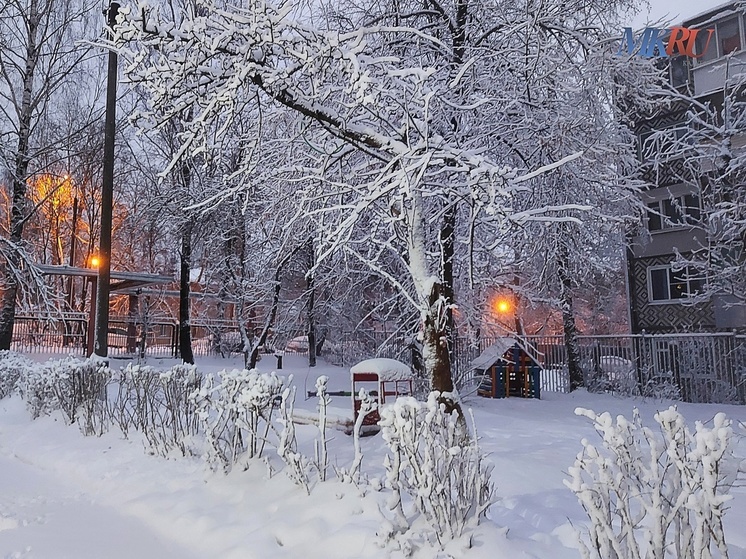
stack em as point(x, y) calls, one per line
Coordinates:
point(661, 120)
point(667, 173)
point(672, 317)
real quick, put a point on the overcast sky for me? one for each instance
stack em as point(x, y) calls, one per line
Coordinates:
point(676, 10)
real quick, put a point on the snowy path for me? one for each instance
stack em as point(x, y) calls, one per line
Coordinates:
point(42, 516)
point(64, 496)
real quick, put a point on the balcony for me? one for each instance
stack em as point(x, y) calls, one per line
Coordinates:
point(720, 46)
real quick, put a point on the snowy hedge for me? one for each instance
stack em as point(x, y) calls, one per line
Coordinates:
point(157, 403)
point(12, 367)
point(235, 414)
point(75, 386)
point(435, 469)
point(654, 495)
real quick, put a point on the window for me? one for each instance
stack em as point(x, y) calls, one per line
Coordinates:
point(667, 284)
point(706, 43)
point(729, 37)
point(718, 41)
point(679, 68)
point(673, 212)
point(655, 222)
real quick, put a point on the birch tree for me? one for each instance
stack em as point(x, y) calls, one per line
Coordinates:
point(37, 58)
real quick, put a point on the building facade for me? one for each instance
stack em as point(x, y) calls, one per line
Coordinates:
point(676, 167)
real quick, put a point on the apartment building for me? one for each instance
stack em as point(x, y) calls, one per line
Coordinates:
point(662, 295)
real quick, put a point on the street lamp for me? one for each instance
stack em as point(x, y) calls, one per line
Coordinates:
point(503, 305)
point(93, 262)
point(107, 194)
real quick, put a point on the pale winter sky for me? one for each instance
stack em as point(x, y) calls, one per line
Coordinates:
point(675, 10)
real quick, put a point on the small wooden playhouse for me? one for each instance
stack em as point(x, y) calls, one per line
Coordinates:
point(508, 368)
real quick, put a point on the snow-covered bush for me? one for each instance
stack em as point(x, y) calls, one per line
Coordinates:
point(367, 405)
point(88, 380)
point(80, 387)
point(711, 391)
point(179, 420)
point(654, 495)
point(12, 367)
point(36, 389)
point(236, 413)
point(157, 404)
point(297, 465)
point(437, 464)
point(75, 386)
point(661, 387)
point(135, 403)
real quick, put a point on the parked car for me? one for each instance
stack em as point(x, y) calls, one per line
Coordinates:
point(117, 338)
point(298, 344)
point(610, 372)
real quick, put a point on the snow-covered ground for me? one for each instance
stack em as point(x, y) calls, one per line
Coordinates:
point(63, 495)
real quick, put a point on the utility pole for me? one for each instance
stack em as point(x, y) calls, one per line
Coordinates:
point(107, 198)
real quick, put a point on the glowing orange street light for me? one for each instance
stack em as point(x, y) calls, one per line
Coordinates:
point(503, 305)
point(95, 261)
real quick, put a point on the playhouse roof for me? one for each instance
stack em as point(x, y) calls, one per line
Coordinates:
point(386, 369)
point(496, 351)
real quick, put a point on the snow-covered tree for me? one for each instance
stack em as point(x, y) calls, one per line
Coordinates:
point(562, 92)
point(711, 162)
point(366, 104)
point(399, 139)
point(38, 59)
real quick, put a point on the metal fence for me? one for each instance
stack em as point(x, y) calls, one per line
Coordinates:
point(62, 334)
point(707, 367)
point(127, 337)
point(693, 367)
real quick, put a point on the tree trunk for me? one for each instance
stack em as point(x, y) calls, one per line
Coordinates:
point(185, 327)
point(436, 354)
point(447, 233)
point(18, 211)
point(519, 330)
point(448, 226)
point(434, 305)
point(311, 310)
point(569, 327)
point(571, 343)
point(269, 320)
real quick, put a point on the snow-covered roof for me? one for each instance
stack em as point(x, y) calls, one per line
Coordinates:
point(495, 353)
point(713, 13)
point(386, 369)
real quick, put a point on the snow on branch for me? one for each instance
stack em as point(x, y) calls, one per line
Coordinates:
point(208, 63)
point(651, 494)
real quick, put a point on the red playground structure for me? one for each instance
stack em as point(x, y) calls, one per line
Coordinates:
point(383, 378)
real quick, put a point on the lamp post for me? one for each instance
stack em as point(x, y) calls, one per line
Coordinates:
point(94, 263)
point(107, 196)
point(73, 243)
